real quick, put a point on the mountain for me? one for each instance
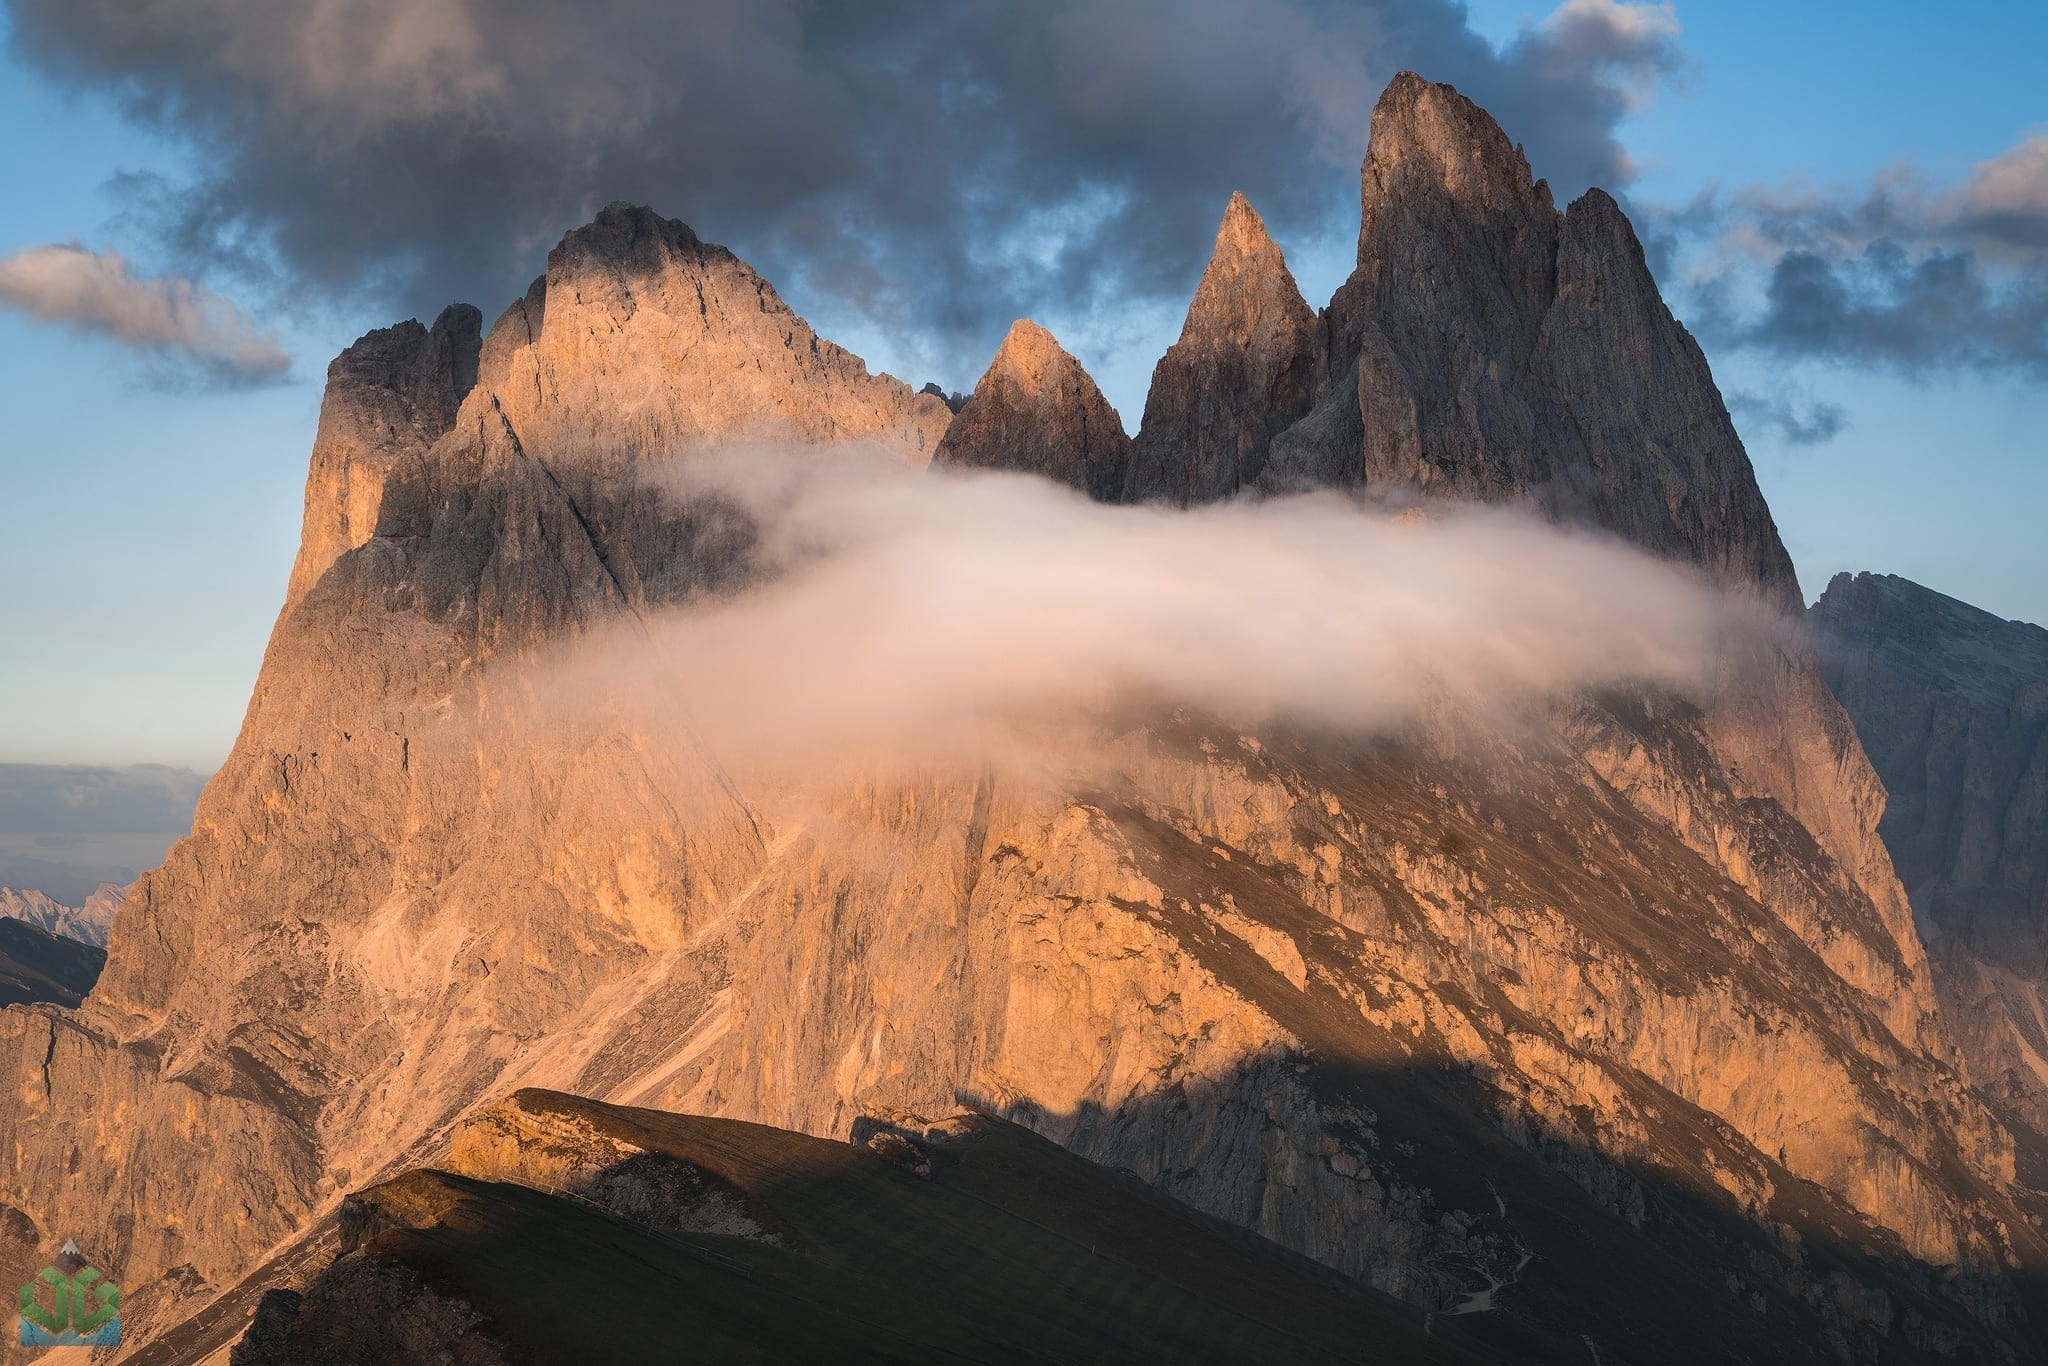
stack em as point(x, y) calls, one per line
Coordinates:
point(1491, 347)
point(87, 923)
point(37, 965)
point(1242, 372)
point(1952, 704)
point(558, 1222)
point(1036, 409)
point(1603, 1032)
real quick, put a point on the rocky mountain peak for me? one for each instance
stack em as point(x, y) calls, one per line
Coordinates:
point(1429, 142)
point(1241, 239)
point(1036, 409)
point(1031, 355)
point(624, 232)
point(1452, 225)
point(1488, 347)
point(1625, 992)
point(1242, 371)
point(644, 340)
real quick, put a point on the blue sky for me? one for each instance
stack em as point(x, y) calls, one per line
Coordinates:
point(150, 518)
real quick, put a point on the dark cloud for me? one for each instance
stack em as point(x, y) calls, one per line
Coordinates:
point(56, 800)
point(1903, 272)
point(169, 317)
point(1808, 422)
point(939, 169)
point(1936, 311)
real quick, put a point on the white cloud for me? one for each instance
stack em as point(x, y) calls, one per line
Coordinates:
point(931, 615)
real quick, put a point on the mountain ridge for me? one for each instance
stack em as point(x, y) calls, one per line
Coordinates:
point(1647, 959)
point(1952, 704)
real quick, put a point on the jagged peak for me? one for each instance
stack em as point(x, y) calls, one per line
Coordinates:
point(1247, 273)
point(627, 240)
point(1037, 409)
point(1034, 358)
point(1242, 370)
point(1242, 235)
point(1428, 136)
point(1027, 343)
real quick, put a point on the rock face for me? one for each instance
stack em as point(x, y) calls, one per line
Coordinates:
point(388, 398)
point(1242, 372)
point(1489, 347)
point(1952, 704)
point(1036, 409)
point(88, 923)
point(1612, 1032)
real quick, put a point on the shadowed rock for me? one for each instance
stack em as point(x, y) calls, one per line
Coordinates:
point(389, 397)
point(1952, 704)
point(41, 965)
point(1002, 1248)
point(1242, 371)
point(1036, 410)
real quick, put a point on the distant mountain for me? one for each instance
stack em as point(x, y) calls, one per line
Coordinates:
point(88, 923)
point(36, 965)
point(1604, 1031)
point(1951, 703)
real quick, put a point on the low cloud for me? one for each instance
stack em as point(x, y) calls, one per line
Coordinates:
point(170, 317)
point(913, 614)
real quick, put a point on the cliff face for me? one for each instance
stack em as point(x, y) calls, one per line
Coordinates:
point(1615, 1028)
point(1952, 705)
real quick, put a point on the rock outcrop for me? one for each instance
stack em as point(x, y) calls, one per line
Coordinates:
point(389, 397)
point(1951, 703)
point(1612, 1032)
point(1037, 410)
point(1489, 347)
point(1242, 372)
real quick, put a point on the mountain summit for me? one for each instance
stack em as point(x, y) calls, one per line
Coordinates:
point(1488, 347)
point(1242, 371)
point(1036, 409)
